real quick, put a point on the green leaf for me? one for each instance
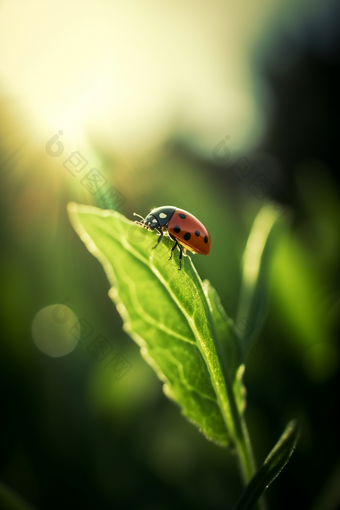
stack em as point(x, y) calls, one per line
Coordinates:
point(271, 467)
point(233, 349)
point(169, 316)
point(252, 307)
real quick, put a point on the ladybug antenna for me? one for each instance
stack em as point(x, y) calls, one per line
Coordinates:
point(139, 216)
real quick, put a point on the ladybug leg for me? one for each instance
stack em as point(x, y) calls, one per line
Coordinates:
point(180, 256)
point(160, 237)
point(172, 249)
point(180, 251)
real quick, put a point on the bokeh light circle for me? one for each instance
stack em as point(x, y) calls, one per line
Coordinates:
point(51, 330)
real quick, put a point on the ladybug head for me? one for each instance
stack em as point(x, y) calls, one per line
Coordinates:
point(150, 222)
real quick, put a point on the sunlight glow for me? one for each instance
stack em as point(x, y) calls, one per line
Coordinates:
point(133, 74)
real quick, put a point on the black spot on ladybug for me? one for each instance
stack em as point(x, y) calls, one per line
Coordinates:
point(206, 239)
point(177, 229)
point(187, 236)
point(197, 233)
point(182, 216)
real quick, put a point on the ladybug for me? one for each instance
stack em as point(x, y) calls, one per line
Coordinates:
point(182, 227)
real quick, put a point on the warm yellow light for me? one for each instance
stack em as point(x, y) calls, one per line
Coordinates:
point(136, 73)
point(133, 73)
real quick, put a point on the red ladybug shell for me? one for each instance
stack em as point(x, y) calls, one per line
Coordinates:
point(189, 232)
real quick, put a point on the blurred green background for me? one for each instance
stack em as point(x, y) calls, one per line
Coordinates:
point(145, 92)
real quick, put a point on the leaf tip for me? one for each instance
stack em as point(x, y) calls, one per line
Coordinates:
point(294, 428)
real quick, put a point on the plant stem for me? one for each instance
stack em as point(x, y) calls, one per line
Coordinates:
point(232, 415)
point(245, 454)
point(237, 427)
point(242, 441)
point(247, 462)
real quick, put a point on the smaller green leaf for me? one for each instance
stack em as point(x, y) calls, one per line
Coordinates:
point(252, 306)
point(231, 344)
point(271, 467)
